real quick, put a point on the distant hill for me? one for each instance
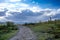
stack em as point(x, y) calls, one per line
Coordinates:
point(2, 22)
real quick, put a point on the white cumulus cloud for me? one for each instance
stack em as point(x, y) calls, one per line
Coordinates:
point(19, 7)
point(12, 0)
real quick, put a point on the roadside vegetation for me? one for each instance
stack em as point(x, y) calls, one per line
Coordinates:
point(49, 30)
point(7, 30)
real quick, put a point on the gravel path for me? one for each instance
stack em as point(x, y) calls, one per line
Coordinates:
point(24, 33)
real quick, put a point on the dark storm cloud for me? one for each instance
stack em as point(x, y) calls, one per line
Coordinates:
point(2, 13)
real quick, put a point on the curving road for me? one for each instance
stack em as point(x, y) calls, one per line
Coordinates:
point(24, 33)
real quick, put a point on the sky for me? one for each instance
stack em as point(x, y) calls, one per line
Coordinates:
point(26, 11)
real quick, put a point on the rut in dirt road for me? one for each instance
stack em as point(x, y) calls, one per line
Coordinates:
point(24, 33)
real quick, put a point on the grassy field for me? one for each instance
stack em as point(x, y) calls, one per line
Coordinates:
point(7, 30)
point(46, 30)
point(6, 36)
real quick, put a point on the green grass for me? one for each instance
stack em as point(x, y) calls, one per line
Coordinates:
point(6, 36)
point(38, 29)
point(7, 30)
point(42, 28)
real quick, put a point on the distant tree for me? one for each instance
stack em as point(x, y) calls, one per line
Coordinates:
point(25, 23)
point(10, 24)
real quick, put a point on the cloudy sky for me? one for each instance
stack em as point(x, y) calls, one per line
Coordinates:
point(21, 11)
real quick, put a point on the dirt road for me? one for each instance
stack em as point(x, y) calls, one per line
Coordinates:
point(24, 33)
